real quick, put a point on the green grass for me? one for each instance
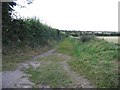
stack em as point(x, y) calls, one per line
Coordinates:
point(95, 59)
point(50, 73)
point(65, 47)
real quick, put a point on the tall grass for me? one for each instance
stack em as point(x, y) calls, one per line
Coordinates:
point(95, 59)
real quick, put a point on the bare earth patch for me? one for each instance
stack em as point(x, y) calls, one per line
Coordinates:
point(15, 79)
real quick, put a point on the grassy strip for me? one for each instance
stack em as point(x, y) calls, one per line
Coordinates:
point(50, 73)
point(96, 59)
point(65, 47)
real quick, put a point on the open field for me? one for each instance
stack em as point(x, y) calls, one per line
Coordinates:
point(113, 39)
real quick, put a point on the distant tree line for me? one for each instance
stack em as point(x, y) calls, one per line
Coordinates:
point(102, 33)
point(109, 34)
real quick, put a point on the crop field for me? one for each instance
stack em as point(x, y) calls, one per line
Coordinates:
point(113, 39)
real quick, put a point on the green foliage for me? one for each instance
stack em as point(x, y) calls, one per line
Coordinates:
point(95, 59)
point(98, 61)
point(30, 32)
point(21, 34)
point(7, 8)
point(25, 32)
point(65, 47)
point(86, 37)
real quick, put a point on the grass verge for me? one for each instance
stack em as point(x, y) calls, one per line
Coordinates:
point(95, 59)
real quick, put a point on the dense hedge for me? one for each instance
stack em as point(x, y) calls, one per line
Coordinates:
point(28, 32)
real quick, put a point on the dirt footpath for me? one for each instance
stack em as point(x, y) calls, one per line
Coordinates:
point(17, 79)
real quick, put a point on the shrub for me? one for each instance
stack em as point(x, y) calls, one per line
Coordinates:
point(86, 37)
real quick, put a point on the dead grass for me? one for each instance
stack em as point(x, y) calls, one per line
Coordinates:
point(12, 58)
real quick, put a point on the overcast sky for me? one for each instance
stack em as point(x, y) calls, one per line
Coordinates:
point(84, 15)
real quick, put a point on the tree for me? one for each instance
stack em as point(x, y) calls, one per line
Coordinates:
point(7, 8)
point(8, 21)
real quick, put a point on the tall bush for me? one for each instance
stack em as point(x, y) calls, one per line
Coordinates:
point(86, 37)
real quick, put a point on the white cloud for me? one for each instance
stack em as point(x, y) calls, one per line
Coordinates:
point(95, 15)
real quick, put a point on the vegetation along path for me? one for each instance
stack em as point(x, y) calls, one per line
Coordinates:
point(47, 70)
